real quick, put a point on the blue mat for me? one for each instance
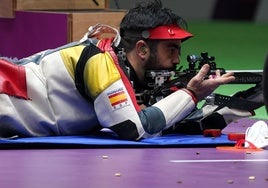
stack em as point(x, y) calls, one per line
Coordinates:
point(110, 141)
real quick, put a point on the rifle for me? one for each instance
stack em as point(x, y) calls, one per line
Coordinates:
point(161, 83)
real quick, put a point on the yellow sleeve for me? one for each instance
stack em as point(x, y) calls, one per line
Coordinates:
point(99, 73)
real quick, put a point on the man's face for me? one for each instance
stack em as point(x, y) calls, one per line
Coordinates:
point(166, 55)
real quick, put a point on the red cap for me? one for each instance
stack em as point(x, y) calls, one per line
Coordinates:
point(166, 32)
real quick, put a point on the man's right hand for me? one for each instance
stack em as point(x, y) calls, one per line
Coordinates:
point(202, 87)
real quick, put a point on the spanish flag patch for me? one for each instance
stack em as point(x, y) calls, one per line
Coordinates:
point(118, 98)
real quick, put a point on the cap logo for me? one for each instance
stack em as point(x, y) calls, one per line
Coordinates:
point(171, 32)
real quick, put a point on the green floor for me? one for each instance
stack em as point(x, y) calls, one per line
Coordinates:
point(236, 46)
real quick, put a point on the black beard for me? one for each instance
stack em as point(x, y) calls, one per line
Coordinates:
point(154, 64)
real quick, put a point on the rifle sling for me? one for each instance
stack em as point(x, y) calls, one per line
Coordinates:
point(237, 103)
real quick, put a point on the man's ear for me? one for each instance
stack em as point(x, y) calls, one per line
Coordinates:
point(142, 48)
